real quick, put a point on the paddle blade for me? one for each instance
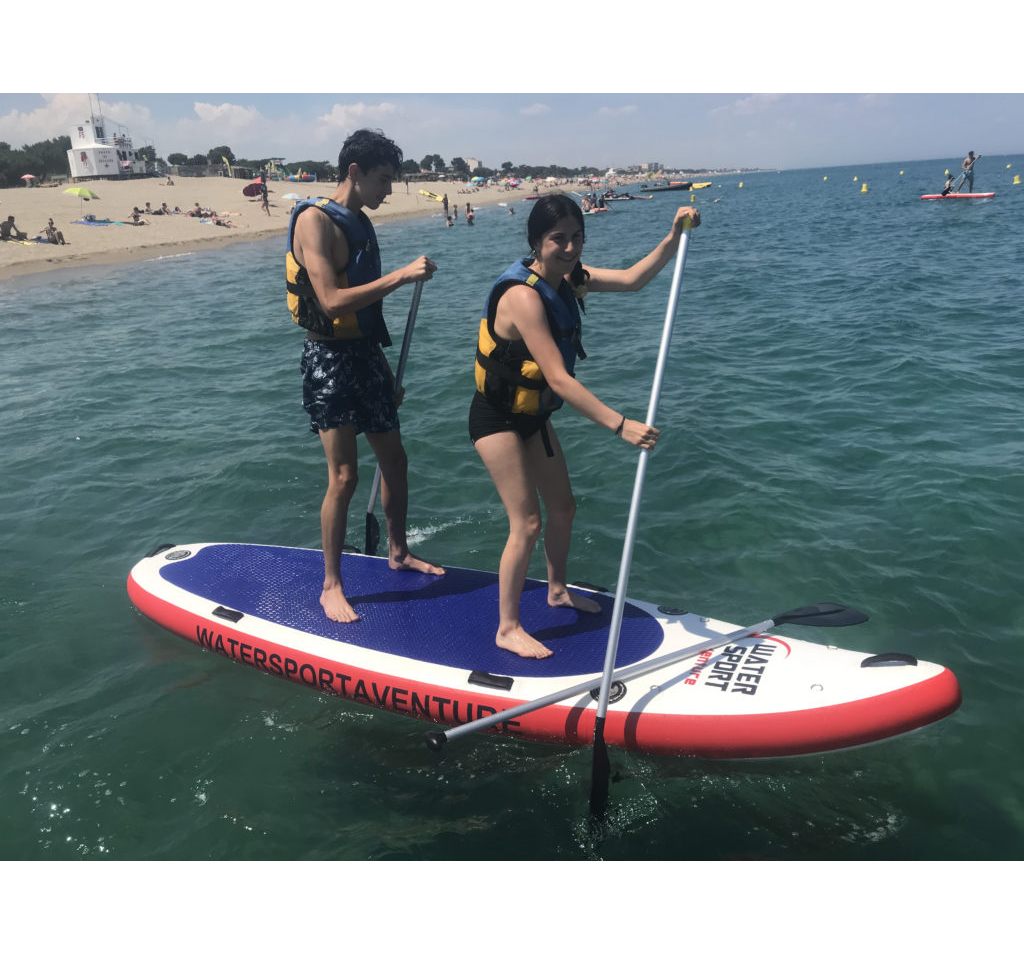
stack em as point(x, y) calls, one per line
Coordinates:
point(372, 535)
point(600, 773)
point(822, 614)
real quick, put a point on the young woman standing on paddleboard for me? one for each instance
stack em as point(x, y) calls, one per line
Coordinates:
point(528, 344)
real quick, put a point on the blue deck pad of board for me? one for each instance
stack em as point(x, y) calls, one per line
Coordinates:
point(449, 620)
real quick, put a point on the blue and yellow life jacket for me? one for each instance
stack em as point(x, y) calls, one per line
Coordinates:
point(506, 373)
point(363, 267)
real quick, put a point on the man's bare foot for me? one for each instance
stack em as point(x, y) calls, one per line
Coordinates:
point(332, 599)
point(520, 642)
point(413, 562)
point(563, 596)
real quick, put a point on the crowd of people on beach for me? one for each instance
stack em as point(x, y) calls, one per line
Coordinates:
point(52, 235)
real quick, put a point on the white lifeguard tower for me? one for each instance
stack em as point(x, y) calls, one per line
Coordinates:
point(101, 148)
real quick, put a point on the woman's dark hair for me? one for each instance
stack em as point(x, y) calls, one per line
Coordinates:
point(546, 213)
point(368, 148)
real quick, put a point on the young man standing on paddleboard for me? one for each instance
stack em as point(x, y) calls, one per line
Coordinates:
point(335, 289)
point(968, 166)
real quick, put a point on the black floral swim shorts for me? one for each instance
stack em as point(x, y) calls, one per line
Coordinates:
point(347, 382)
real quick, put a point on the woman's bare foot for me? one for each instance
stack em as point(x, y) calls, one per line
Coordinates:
point(336, 606)
point(520, 642)
point(412, 562)
point(563, 596)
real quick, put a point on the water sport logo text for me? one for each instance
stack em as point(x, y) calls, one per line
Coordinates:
point(409, 701)
point(737, 668)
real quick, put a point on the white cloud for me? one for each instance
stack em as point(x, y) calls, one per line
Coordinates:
point(59, 112)
point(244, 129)
point(614, 112)
point(750, 105)
point(537, 109)
point(348, 117)
point(228, 115)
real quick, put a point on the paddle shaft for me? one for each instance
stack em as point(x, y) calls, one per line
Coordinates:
point(399, 372)
point(615, 627)
point(601, 769)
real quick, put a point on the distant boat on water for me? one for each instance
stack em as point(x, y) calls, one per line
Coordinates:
point(668, 187)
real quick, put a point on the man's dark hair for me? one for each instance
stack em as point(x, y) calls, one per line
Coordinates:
point(368, 148)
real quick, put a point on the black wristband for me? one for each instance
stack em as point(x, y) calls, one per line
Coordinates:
point(618, 430)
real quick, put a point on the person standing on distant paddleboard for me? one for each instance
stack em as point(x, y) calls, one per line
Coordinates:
point(968, 166)
point(335, 289)
point(528, 344)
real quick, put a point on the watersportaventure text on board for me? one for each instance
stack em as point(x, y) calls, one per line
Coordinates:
point(414, 702)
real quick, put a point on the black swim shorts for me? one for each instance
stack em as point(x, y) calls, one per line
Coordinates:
point(347, 382)
point(486, 419)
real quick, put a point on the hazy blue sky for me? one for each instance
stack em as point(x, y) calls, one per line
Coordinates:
point(690, 130)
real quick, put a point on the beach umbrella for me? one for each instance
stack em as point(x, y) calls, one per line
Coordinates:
point(83, 194)
point(294, 196)
point(28, 177)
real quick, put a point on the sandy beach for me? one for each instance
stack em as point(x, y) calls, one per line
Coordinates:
point(177, 233)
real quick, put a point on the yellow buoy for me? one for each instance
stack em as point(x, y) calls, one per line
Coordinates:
point(741, 185)
point(854, 178)
point(692, 196)
point(1007, 165)
point(901, 172)
point(825, 179)
point(864, 187)
point(947, 172)
point(1016, 180)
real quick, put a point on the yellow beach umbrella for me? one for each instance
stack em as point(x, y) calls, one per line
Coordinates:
point(83, 194)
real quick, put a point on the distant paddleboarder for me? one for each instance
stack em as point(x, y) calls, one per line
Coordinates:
point(968, 166)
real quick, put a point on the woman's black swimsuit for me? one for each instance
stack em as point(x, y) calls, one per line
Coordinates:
point(486, 419)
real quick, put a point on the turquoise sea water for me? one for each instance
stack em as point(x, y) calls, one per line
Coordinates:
point(841, 421)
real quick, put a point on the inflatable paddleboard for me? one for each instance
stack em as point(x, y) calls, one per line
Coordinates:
point(424, 647)
point(431, 195)
point(961, 195)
